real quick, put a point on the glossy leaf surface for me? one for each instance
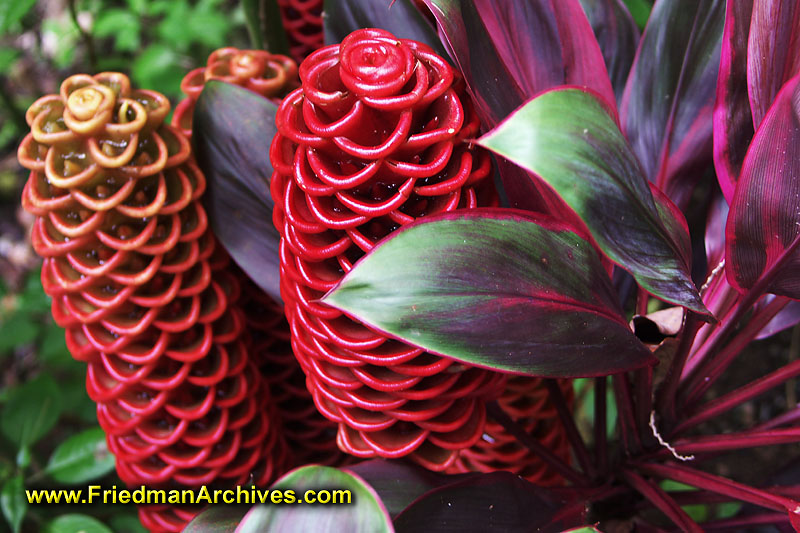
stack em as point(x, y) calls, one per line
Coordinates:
point(667, 108)
point(400, 17)
point(217, 519)
point(80, 458)
point(733, 122)
point(763, 229)
point(617, 35)
point(569, 139)
point(499, 501)
point(495, 288)
point(233, 129)
point(365, 514)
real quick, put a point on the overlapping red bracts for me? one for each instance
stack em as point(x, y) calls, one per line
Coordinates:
point(141, 288)
point(374, 139)
point(527, 402)
point(310, 436)
point(270, 75)
point(302, 20)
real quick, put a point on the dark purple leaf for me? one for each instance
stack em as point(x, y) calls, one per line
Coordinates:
point(733, 123)
point(569, 139)
point(399, 17)
point(398, 483)
point(773, 55)
point(233, 129)
point(715, 232)
point(499, 501)
point(764, 222)
point(364, 512)
point(667, 108)
point(618, 36)
point(788, 317)
point(510, 50)
point(217, 519)
point(497, 288)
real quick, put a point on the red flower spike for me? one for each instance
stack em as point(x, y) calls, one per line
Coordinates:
point(310, 436)
point(373, 139)
point(302, 20)
point(141, 288)
point(527, 402)
point(269, 75)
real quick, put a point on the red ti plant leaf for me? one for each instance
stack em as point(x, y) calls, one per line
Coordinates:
point(502, 289)
point(232, 131)
point(763, 229)
point(499, 501)
point(668, 103)
point(733, 123)
point(618, 36)
point(773, 55)
point(510, 50)
point(568, 137)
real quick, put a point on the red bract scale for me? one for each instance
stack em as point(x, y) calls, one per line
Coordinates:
point(270, 75)
point(373, 139)
point(310, 436)
point(141, 288)
point(527, 402)
point(302, 20)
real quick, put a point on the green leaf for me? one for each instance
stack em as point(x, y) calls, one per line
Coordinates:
point(8, 56)
point(80, 458)
point(17, 330)
point(365, 514)
point(31, 411)
point(264, 23)
point(217, 519)
point(640, 10)
point(495, 288)
point(76, 523)
point(569, 139)
point(123, 25)
point(129, 523)
point(11, 13)
point(158, 68)
point(13, 502)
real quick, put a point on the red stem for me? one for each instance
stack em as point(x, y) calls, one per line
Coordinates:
point(669, 388)
point(734, 441)
point(788, 417)
point(739, 524)
point(662, 501)
point(569, 473)
point(568, 421)
point(630, 434)
point(714, 366)
point(721, 485)
point(740, 395)
point(600, 423)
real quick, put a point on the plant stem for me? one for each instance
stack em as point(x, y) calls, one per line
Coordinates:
point(707, 373)
point(745, 522)
point(789, 417)
point(643, 405)
point(497, 413)
point(600, 414)
point(712, 483)
point(662, 501)
point(735, 441)
point(665, 402)
point(630, 434)
point(88, 41)
point(740, 395)
point(568, 421)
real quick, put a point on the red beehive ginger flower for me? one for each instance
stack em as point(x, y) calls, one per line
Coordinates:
point(270, 75)
point(302, 20)
point(140, 286)
point(310, 436)
point(373, 139)
point(527, 402)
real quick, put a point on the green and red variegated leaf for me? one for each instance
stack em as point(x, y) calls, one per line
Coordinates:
point(499, 501)
point(233, 128)
point(509, 51)
point(568, 137)
point(733, 122)
point(618, 36)
point(364, 513)
point(400, 17)
point(667, 108)
point(399, 483)
point(773, 55)
point(496, 288)
point(763, 229)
